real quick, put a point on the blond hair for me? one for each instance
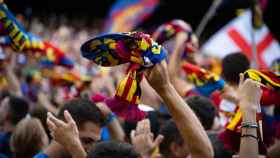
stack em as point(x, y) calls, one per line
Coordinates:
point(27, 138)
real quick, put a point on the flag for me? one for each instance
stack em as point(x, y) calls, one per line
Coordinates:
point(236, 37)
point(125, 15)
point(55, 56)
point(136, 48)
point(205, 82)
point(12, 28)
point(50, 55)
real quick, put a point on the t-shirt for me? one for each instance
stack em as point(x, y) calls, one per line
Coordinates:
point(41, 155)
point(4, 144)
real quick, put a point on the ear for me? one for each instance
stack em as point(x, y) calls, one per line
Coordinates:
point(175, 149)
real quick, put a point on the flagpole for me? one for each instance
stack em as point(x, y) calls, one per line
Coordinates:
point(254, 47)
point(207, 17)
point(256, 23)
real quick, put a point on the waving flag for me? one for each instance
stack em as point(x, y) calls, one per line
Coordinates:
point(9, 26)
point(50, 54)
point(55, 56)
point(205, 82)
point(126, 15)
point(236, 36)
point(136, 48)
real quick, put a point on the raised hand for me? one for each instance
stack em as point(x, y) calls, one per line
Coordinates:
point(66, 134)
point(249, 93)
point(143, 139)
point(158, 77)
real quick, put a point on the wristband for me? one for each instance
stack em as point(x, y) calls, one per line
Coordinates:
point(249, 125)
point(110, 118)
point(250, 135)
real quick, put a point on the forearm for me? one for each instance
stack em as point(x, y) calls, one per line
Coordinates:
point(175, 58)
point(116, 130)
point(43, 100)
point(174, 66)
point(13, 83)
point(248, 145)
point(188, 124)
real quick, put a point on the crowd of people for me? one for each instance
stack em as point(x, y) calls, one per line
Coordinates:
point(194, 105)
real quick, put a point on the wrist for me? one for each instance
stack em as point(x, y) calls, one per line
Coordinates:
point(249, 111)
point(109, 118)
point(248, 106)
point(164, 90)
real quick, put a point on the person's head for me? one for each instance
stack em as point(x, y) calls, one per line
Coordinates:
point(204, 110)
point(28, 138)
point(40, 113)
point(173, 145)
point(233, 65)
point(88, 119)
point(12, 110)
point(113, 149)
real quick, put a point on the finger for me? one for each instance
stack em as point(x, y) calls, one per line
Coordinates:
point(142, 126)
point(241, 79)
point(52, 135)
point(56, 121)
point(138, 126)
point(260, 84)
point(68, 117)
point(152, 136)
point(132, 135)
point(158, 140)
point(51, 125)
point(148, 126)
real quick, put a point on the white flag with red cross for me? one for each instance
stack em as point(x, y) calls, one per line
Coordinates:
point(236, 36)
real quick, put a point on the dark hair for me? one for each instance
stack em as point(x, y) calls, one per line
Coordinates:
point(233, 65)
point(19, 107)
point(152, 116)
point(82, 111)
point(40, 113)
point(4, 94)
point(113, 149)
point(171, 134)
point(204, 110)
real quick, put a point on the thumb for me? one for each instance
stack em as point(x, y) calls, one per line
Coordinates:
point(158, 140)
point(241, 79)
point(132, 136)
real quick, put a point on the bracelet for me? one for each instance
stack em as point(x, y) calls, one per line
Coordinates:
point(249, 125)
point(110, 118)
point(250, 135)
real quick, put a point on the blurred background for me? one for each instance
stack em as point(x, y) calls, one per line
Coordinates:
point(92, 13)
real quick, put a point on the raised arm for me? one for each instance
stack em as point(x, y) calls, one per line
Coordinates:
point(174, 65)
point(13, 82)
point(250, 95)
point(113, 124)
point(187, 122)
